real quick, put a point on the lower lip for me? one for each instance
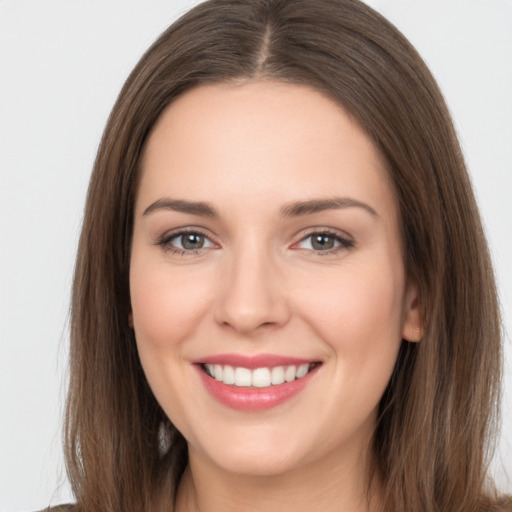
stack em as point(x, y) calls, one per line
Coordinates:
point(254, 399)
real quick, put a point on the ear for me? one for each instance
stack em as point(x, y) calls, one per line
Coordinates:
point(412, 325)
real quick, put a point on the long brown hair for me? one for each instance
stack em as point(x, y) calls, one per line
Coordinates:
point(439, 411)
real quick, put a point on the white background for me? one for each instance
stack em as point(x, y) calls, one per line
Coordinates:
point(62, 64)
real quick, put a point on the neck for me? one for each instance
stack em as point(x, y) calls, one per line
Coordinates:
point(340, 483)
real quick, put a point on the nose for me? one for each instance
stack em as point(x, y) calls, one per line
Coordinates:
point(252, 293)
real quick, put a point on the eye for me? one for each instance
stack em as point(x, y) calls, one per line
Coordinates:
point(184, 242)
point(190, 241)
point(324, 242)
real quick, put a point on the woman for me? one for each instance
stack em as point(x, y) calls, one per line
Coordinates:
point(283, 296)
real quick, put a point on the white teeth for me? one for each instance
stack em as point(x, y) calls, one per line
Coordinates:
point(259, 377)
point(243, 377)
point(277, 375)
point(289, 373)
point(302, 370)
point(228, 376)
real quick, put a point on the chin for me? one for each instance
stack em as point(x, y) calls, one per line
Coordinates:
point(259, 456)
point(259, 464)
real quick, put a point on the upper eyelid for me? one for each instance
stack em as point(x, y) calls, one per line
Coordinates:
point(173, 233)
point(304, 233)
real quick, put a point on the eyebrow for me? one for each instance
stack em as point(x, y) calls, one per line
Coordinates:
point(295, 209)
point(180, 205)
point(300, 208)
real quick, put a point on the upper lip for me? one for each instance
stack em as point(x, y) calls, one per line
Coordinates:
point(253, 361)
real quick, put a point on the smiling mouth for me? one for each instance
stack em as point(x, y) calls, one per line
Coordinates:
point(263, 377)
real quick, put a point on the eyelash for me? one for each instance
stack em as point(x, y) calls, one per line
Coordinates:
point(343, 243)
point(166, 240)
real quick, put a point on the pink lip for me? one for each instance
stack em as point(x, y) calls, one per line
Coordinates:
point(253, 399)
point(251, 362)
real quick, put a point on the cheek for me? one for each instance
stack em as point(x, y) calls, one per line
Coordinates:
point(358, 316)
point(167, 307)
point(357, 312)
point(166, 304)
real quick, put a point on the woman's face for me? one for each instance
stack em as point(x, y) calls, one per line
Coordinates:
point(268, 290)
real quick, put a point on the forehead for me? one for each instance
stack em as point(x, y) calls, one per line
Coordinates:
point(260, 139)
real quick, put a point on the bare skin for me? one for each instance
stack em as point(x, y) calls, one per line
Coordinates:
point(265, 223)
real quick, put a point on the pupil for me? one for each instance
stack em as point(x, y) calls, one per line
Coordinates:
point(323, 242)
point(193, 241)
